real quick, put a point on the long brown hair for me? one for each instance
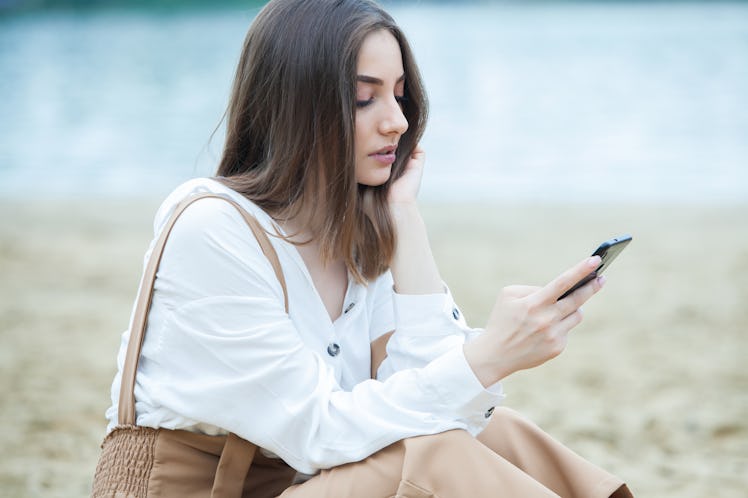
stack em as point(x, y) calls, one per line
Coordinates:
point(290, 125)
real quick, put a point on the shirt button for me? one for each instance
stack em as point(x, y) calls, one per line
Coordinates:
point(489, 412)
point(349, 307)
point(455, 313)
point(333, 349)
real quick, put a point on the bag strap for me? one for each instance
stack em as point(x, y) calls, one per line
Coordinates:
point(233, 467)
point(126, 407)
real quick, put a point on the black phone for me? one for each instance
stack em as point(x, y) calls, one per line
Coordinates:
point(608, 251)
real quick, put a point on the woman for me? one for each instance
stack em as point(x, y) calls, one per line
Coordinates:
point(323, 126)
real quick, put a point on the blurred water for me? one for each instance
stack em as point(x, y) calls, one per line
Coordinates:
point(572, 102)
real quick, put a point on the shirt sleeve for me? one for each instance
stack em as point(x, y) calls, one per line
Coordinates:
point(228, 355)
point(427, 326)
point(382, 314)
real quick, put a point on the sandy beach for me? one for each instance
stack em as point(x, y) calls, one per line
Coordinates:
point(653, 385)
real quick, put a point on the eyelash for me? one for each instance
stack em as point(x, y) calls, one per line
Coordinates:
point(363, 103)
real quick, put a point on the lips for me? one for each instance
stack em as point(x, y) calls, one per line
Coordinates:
point(390, 149)
point(385, 155)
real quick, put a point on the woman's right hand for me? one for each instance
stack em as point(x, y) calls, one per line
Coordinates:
point(404, 190)
point(529, 326)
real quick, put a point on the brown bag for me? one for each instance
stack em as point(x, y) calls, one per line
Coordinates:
point(138, 462)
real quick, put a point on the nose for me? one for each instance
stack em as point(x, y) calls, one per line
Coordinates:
point(393, 120)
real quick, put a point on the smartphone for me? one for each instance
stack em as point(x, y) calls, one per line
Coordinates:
point(608, 251)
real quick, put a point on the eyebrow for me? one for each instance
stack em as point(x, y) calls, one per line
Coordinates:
point(376, 81)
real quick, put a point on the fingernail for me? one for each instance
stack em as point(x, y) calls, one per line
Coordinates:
point(601, 280)
point(594, 261)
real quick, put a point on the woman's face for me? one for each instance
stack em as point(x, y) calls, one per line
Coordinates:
point(380, 87)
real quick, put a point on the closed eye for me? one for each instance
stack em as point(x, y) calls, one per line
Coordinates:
point(400, 99)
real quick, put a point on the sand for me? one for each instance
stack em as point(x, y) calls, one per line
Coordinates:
point(653, 385)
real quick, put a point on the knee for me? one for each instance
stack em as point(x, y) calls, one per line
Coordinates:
point(442, 441)
point(430, 448)
point(508, 416)
point(506, 419)
point(438, 453)
point(507, 431)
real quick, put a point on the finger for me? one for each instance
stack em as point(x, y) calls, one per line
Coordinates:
point(417, 157)
point(418, 153)
point(568, 323)
point(576, 299)
point(567, 280)
point(560, 333)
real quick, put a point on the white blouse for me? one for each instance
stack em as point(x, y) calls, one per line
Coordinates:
point(221, 354)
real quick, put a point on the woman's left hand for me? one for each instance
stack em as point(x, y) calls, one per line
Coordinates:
point(405, 189)
point(413, 267)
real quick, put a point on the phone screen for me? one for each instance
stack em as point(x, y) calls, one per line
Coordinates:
point(608, 251)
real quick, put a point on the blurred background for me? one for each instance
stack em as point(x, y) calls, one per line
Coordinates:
point(579, 101)
point(554, 125)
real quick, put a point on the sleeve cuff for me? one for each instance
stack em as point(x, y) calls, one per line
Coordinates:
point(458, 389)
point(427, 314)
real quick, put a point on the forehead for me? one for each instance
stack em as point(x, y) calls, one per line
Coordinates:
point(380, 55)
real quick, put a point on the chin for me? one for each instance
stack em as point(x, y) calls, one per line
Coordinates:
point(374, 178)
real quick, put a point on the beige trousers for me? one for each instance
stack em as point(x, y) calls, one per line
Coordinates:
point(511, 458)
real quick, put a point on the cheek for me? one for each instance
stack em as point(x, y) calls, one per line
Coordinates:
point(358, 146)
point(359, 135)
